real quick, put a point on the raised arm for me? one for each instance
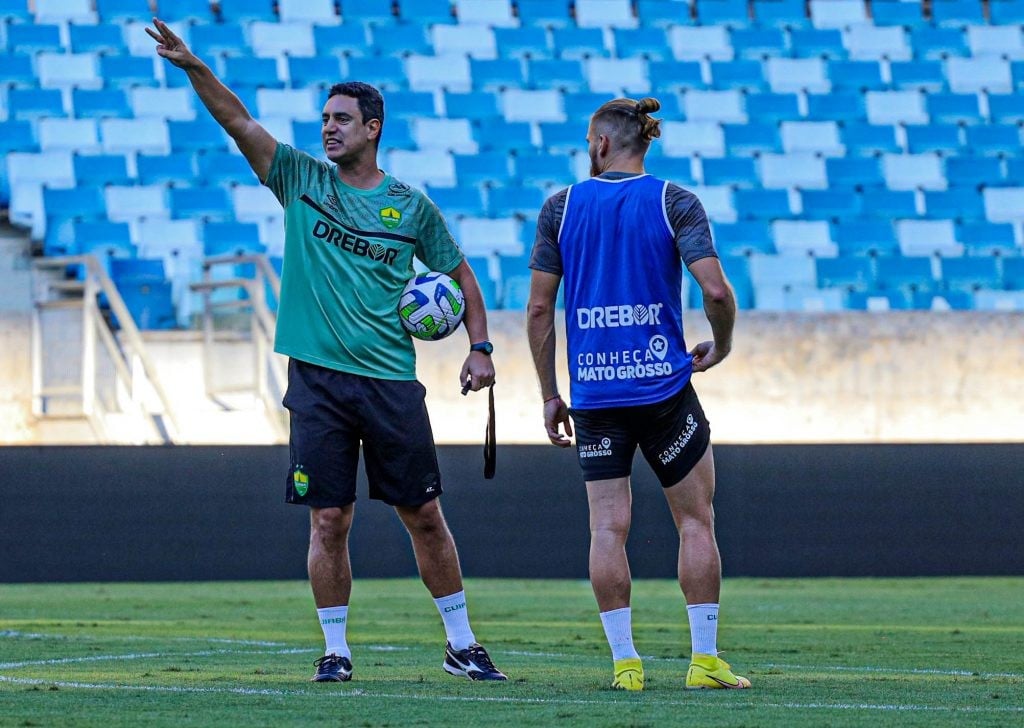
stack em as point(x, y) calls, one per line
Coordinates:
point(253, 140)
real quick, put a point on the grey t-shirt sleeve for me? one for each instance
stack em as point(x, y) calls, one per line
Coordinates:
point(546, 255)
point(689, 224)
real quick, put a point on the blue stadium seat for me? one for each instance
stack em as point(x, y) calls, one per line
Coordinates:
point(484, 168)
point(846, 272)
point(120, 11)
point(973, 170)
point(177, 168)
point(730, 13)
point(231, 238)
point(987, 238)
point(836, 106)
point(106, 240)
point(957, 13)
point(63, 208)
point(543, 169)
point(526, 42)
point(247, 72)
point(889, 204)
point(427, 12)
point(578, 43)
point(743, 74)
point(503, 136)
point(762, 204)
point(951, 108)
point(306, 135)
point(643, 42)
point(781, 13)
point(675, 76)
point(933, 138)
point(32, 103)
point(17, 136)
point(400, 40)
point(908, 13)
point(1006, 12)
point(993, 140)
point(194, 12)
point(970, 274)
point(340, 40)
point(1006, 108)
point(514, 200)
point(743, 238)
point(136, 269)
point(100, 103)
point(1013, 274)
point(219, 39)
point(752, 138)
point(32, 38)
point(930, 43)
point(737, 270)
point(378, 12)
point(758, 43)
point(854, 172)
point(942, 301)
point(923, 75)
point(544, 13)
point(581, 106)
point(770, 108)
point(877, 300)
point(387, 74)
point(907, 274)
point(200, 202)
point(475, 105)
point(397, 135)
point(101, 169)
point(409, 104)
point(203, 133)
point(150, 303)
point(855, 75)
point(496, 75)
point(127, 71)
point(868, 139)
point(225, 169)
point(835, 204)
point(488, 287)
point(318, 71)
point(16, 70)
point(566, 75)
point(1014, 173)
point(959, 203)
point(660, 14)
point(96, 39)
point(865, 237)
point(453, 201)
point(674, 169)
point(817, 42)
point(559, 138)
point(739, 171)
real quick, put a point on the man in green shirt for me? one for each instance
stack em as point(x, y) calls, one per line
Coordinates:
point(351, 234)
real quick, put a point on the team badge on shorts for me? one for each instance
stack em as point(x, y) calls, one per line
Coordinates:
point(300, 480)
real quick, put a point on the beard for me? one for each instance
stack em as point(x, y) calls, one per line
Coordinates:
point(594, 169)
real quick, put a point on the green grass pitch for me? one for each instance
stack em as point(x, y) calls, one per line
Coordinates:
point(835, 652)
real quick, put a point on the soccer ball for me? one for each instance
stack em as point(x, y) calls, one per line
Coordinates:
point(431, 306)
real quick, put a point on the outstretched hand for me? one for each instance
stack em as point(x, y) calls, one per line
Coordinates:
point(171, 47)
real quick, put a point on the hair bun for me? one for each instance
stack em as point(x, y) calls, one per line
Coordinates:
point(648, 105)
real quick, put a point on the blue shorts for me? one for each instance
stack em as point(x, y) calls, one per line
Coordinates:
point(333, 413)
point(672, 434)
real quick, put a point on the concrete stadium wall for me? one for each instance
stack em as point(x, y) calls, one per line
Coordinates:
point(850, 377)
point(171, 513)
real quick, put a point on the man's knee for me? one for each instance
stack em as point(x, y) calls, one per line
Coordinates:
point(425, 519)
point(330, 525)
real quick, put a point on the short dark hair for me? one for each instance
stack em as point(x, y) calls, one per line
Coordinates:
point(371, 103)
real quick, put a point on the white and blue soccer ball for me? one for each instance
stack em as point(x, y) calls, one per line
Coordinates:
point(431, 306)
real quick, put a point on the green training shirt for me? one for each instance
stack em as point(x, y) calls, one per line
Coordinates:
point(348, 254)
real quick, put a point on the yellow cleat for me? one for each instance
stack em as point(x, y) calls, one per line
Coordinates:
point(629, 674)
point(708, 672)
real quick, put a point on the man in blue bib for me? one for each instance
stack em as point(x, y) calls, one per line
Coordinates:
point(619, 241)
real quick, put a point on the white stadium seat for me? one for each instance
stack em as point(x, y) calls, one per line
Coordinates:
point(279, 127)
point(295, 103)
point(723, 106)
point(496, 13)
point(476, 41)
point(913, 171)
point(484, 236)
point(77, 134)
point(319, 12)
point(272, 235)
point(135, 135)
point(79, 12)
point(66, 70)
point(53, 168)
point(870, 43)
point(837, 13)
point(970, 75)
point(618, 75)
point(804, 170)
point(521, 105)
point(605, 13)
point(163, 103)
point(1001, 40)
point(812, 136)
point(686, 138)
point(130, 203)
point(786, 75)
point(1004, 204)
point(999, 300)
point(694, 43)
point(157, 238)
point(804, 237)
point(793, 270)
point(896, 107)
point(276, 39)
point(717, 201)
point(434, 167)
point(253, 203)
point(927, 237)
point(452, 135)
point(428, 73)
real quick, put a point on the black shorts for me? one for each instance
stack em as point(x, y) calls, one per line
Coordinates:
point(332, 413)
point(672, 434)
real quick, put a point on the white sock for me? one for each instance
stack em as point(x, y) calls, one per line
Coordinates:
point(703, 628)
point(618, 628)
point(334, 621)
point(456, 620)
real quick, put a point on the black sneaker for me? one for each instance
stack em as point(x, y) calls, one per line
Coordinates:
point(472, 662)
point(331, 668)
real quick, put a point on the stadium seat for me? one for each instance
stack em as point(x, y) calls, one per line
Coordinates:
point(741, 74)
point(937, 44)
point(162, 103)
point(561, 138)
point(970, 274)
point(32, 38)
point(737, 270)
point(918, 75)
point(230, 238)
point(758, 43)
point(836, 204)
point(780, 13)
point(819, 137)
point(896, 107)
point(504, 136)
point(475, 106)
point(430, 73)
point(17, 72)
point(1014, 174)
point(927, 237)
point(908, 13)
point(526, 43)
point(420, 168)
point(675, 76)
point(457, 201)
point(751, 138)
point(995, 139)
point(1006, 12)
point(72, 134)
point(743, 238)
point(198, 134)
point(970, 75)
point(194, 12)
point(1004, 204)
point(66, 70)
point(254, 203)
point(209, 203)
point(343, 40)
point(717, 202)
point(565, 75)
point(837, 13)
point(957, 13)
point(762, 204)
point(906, 274)
point(889, 204)
point(65, 11)
point(270, 40)
point(941, 138)
point(100, 103)
point(848, 273)
point(987, 238)
point(101, 169)
point(367, 12)
point(738, 171)
point(872, 43)
point(685, 138)
point(804, 237)
point(319, 72)
point(972, 171)
point(578, 43)
point(660, 14)
point(496, 75)
point(127, 71)
point(803, 170)
point(817, 43)
point(772, 107)
point(581, 106)
point(428, 12)
point(850, 172)
point(452, 135)
point(1013, 274)
point(1006, 108)
point(514, 200)
point(913, 171)
point(675, 169)
point(642, 43)
point(136, 135)
point(1003, 42)
point(722, 106)
point(486, 236)
point(311, 12)
point(540, 169)
point(797, 74)
point(469, 40)
point(859, 76)
point(399, 40)
point(497, 13)
point(130, 203)
point(26, 103)
point(950, 108)
point(242, 72)
point(698, 43)
point(836, 106)
point(605, 14)
point(483, 168)
point(224, 168)
point(63, 208)
point(157, 169)
point(865, 237)
point(121, 11)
